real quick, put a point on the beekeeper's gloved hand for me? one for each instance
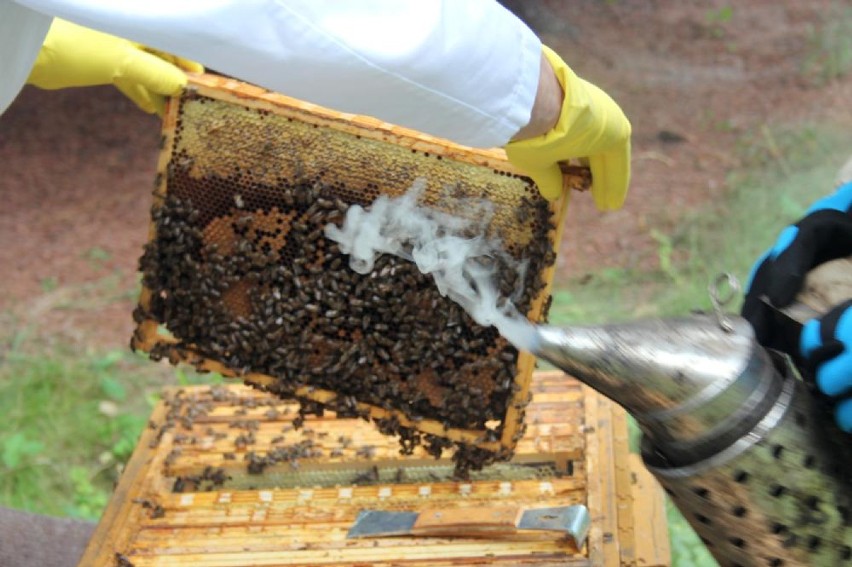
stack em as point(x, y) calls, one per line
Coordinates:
point(823, 234)
point(590, 125)
point(826, 347)
point(74, 56)
point(825, 343)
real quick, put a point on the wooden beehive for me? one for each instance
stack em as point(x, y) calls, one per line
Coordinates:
point(186, 496)
point(249, 286)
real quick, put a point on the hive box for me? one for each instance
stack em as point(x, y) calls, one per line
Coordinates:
point(191, 495)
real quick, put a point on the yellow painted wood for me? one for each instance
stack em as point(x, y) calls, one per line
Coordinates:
point(609, 488)
point(651, 533)
point(121, 517)
point(595, 480)
point(624, 499)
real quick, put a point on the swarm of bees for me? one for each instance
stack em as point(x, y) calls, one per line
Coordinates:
point(239, 271)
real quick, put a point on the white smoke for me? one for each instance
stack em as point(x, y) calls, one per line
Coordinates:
point(441, 245)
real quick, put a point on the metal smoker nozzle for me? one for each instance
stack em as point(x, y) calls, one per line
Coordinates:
point(744, 449)
point(692, 386)
point(742, 445)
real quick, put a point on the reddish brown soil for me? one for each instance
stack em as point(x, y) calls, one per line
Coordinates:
point(78, 165)
point(675, 70)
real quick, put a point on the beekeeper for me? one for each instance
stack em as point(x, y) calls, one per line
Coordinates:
point(466, 70)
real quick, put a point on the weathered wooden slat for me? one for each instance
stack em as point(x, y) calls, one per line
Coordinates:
point(596, 480)
point(414, 555)
point(606, 462)
point(308, 535)
point(652, 546)
point(122, 515)
point(623, 497)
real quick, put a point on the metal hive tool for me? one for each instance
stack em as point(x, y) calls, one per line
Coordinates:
point(239, 279)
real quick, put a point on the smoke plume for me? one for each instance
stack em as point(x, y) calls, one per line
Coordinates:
point(455, 251)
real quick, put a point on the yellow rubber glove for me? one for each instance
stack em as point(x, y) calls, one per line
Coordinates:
point(592, 126)
point(74, 56)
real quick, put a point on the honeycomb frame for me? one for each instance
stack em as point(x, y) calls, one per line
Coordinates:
point(360, 131)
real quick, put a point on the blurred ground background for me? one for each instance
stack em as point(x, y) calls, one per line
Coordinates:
point(741, 118)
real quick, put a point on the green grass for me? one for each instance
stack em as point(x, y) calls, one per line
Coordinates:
point(785, 170)
point(70, 422)
point(829, 54)
point(718, 18)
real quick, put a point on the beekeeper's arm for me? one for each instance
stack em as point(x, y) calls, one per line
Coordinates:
point(467, 70)
point(68, 55)
point(74, 56)
point(22, 32)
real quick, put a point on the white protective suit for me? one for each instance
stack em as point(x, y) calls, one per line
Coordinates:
point(466, 70)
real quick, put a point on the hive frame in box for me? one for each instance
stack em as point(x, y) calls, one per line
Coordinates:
point(149, 334)
point(255, 519)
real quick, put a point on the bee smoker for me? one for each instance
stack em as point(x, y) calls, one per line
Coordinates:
point(743, 446)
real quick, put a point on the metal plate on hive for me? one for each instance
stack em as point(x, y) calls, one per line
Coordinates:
point(239, 278)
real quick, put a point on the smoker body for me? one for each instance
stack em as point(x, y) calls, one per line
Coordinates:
point(738, 440)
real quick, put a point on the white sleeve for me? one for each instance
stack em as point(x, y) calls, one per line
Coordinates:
point(22, 32)
point(460, 69)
